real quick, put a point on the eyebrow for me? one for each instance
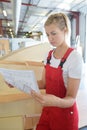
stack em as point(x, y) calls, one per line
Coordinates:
point(51, 32)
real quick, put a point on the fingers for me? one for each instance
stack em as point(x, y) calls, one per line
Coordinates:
point(37, 96)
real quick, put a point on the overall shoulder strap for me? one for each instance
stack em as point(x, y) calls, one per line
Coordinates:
point(49, 56)
point(65, 56)
point(67, 53)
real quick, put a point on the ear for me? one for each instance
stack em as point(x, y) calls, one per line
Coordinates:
point(65, 30)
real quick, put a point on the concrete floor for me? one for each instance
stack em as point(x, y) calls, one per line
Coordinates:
point(83, 128)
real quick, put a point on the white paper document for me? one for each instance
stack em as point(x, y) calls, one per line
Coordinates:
point(22, 79)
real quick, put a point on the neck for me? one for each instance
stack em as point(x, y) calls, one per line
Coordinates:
point(60, 51)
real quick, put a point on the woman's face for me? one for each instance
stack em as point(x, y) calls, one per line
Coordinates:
point(55, 36)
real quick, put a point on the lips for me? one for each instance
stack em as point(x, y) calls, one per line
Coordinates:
point(53, 43)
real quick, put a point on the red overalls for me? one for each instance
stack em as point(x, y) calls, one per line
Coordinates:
point(55, 118)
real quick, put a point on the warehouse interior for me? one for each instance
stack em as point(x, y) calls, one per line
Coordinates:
point(22, 39)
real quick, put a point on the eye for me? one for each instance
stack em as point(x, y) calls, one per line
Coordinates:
point(47, 35)
point(53, 33)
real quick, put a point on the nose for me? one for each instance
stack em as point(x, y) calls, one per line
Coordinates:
point(50, 38)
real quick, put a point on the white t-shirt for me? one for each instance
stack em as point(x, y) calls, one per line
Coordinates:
point(72, 66)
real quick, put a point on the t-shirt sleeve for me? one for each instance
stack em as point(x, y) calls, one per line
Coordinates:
point(76, 65)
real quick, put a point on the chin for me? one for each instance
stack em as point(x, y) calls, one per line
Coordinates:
point(54, 45)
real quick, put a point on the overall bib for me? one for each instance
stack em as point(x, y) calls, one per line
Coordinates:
point(55, 118)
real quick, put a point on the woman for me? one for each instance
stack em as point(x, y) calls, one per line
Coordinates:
point(61, 79)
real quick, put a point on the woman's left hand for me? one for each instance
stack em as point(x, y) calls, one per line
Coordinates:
point(45, 100)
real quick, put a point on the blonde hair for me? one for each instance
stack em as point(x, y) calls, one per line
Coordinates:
point(60, 19)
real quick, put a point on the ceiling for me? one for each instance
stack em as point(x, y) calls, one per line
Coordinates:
point(24, 16)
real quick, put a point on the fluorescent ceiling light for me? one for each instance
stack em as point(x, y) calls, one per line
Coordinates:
point(8, 24)
point(4, 12)
point(10, 29)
